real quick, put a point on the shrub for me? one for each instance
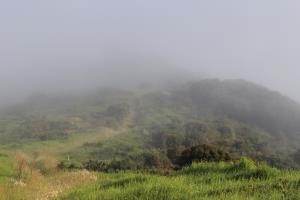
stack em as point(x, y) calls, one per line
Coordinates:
point(96, 165)
point(244, 164)
point(246, 168)
point(206, 153)
point(69, 165)
point(154, 159)
point(110, 166)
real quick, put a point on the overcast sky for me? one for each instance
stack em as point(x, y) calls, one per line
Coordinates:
point(65, 43)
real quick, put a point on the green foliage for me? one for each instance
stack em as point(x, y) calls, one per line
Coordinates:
point(195, 133)
point(206, 153)
point(6, 167)
point(110, 166)
point(167, 121)
point(153, 159)
point(211, 181)
point(147, 160)
point(235, 116)
point(69, 165)
point(248, 169)
point(97, 165)
point(244, 164)
point(205, 121)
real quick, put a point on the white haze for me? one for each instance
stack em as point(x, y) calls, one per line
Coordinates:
point(82, 44)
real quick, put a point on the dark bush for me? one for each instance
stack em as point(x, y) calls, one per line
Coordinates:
point(96, 165)
point(205, 153)
point(155, 160)
point(110, 166)
point(69, 165)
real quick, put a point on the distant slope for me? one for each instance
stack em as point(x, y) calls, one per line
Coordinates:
point(263, 121)
point(244, 101)
point(238, 116)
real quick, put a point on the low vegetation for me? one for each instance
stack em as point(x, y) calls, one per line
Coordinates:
point(240, 179)
point(243, 179)
point(198, 141)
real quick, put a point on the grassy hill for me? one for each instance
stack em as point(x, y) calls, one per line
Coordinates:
point(151, 137)
point(239, 117)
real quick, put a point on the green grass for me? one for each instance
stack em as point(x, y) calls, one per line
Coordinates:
point(212, 181)
point(6, 167)
point(61, 146)
point(54, 148)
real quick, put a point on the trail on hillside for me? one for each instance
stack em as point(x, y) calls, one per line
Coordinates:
point(47, 187)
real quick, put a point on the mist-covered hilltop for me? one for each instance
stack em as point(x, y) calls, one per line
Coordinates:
point(238, 117)
point(244, 101)
point(119, 70)
point(243, 117)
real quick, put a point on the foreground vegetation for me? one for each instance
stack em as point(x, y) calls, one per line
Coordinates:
point(182, 143)
point(240, 180)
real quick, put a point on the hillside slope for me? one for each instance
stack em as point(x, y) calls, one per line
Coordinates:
point(236, 116)
point(48, 143)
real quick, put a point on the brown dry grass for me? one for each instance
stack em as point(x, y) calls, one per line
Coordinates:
point(38, 179)
point(39, 187)
point(36, 175)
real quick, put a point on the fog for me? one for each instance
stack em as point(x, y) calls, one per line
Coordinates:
point(62, 45)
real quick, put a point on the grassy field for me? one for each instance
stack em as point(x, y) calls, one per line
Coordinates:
point(212, 181)
point(237, 180)
point(43, 186)
point(6, 167)
point(147, 139)
point(57, 147)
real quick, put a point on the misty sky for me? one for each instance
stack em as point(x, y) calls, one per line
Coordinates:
point(66, 43)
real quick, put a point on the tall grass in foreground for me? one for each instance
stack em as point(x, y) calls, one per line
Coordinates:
point(37, 179)
point(240, 180)
point(40, 187)
point(6, 167)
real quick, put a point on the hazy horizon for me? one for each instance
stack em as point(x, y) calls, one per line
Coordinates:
point(61, 45)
